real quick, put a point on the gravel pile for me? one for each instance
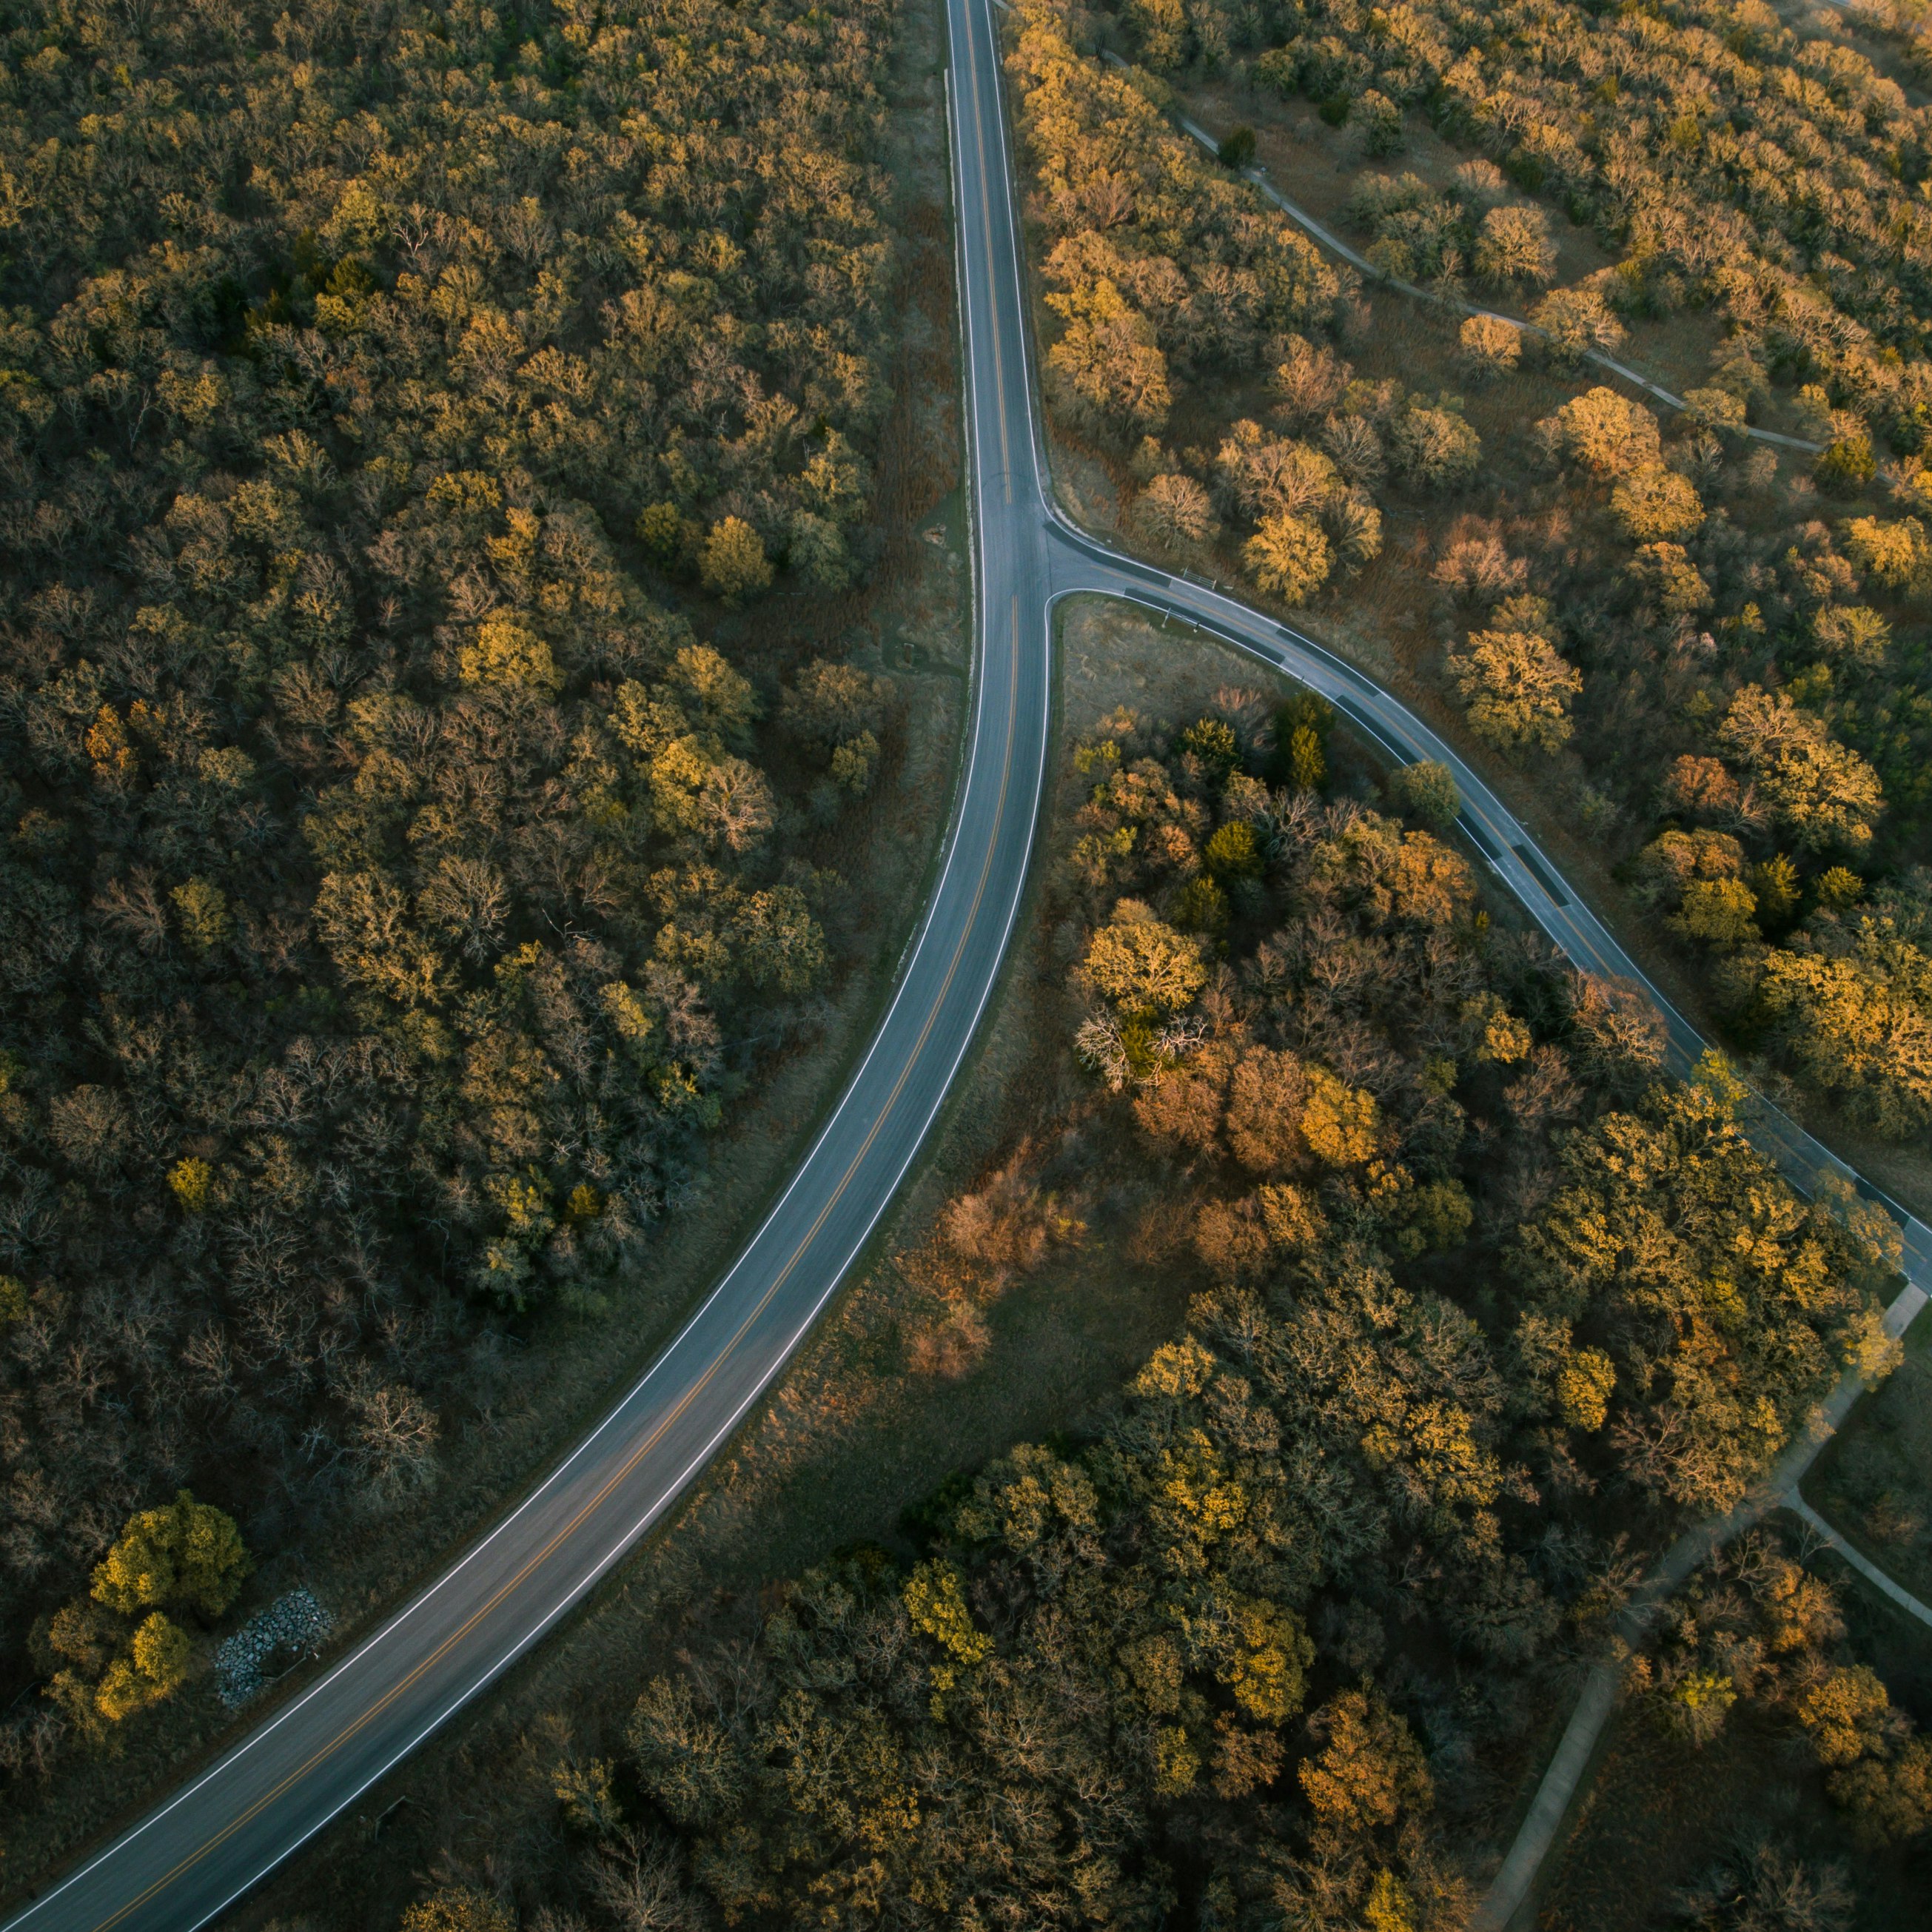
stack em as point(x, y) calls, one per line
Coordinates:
point(291, 1628)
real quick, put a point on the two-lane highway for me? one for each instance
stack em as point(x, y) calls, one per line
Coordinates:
point(215, 1837)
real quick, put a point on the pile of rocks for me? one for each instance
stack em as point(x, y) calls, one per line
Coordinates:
point(290, 1629)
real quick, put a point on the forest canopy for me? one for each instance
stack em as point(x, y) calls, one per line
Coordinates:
point(394, 881)
point(1687, 631)
point(1486, 1307)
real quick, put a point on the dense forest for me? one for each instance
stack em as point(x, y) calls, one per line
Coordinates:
point(1490, 1307)
point(1728, 643)
point(395, 883)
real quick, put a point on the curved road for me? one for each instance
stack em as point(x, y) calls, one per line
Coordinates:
point(213, 1840)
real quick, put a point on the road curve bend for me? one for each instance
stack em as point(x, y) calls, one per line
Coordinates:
point(211, 1841)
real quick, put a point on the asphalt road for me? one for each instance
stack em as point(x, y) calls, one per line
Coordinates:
point(209, 1844)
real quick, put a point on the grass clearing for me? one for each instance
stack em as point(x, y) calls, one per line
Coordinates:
point(1319, 167)
point(1661, 1813)
point(1658, 1813)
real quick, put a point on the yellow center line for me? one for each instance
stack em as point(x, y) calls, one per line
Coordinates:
point(986, 215)
point(650, 1442)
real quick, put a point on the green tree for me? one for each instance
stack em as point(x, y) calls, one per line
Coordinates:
point(1859, 1025)
point(1428, 790)
point(735, 565)
point(1604, 434)
point(1823, 791)
point(1584, 1385)
point(1512, 245)
point(1432, 448)
point(1777, 887)
point(1369, 1771)
point(1489, 345)
point(1108, 366)
point(1897, 554)
point(1846, 466)
point(1574, 322)
point(1654, 504)
point(1847, 1714)
point(1342, 1124)
point(1889, 1799)
point(505, 656)
point(155, 1667)
point(1172, 511)
point(1719, 912)
point(205, 921)
point(1233, 852)
point(1307, 759)
point(192, 1179)
point(189, 1554)
point(1143, 967)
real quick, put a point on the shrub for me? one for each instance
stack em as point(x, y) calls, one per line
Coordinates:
point(1238, 150)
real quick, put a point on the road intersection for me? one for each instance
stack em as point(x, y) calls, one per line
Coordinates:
point(211, 1841)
